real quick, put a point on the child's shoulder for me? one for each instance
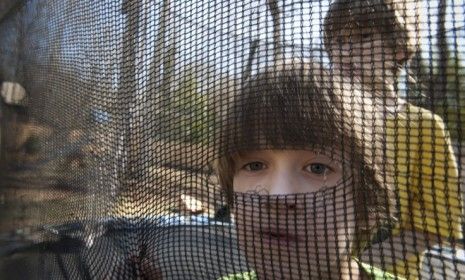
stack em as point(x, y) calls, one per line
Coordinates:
point(240, 276)
point(420, 115)
point(372, 273)
point(375, 273)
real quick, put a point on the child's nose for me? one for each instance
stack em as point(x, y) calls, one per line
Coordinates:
point(283, 184)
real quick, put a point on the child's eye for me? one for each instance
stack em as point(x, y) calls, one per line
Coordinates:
point(254, 166)
point(318, 168)
point(341, 40)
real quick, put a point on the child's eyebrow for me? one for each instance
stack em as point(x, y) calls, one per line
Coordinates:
point(241, 155)
point(245, 155)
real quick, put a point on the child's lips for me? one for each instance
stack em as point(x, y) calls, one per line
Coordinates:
point(350, 68)
point(279, 236)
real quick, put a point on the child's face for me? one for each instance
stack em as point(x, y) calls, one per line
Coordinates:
point(282, 172)
point(301, 223)
point(365, 53)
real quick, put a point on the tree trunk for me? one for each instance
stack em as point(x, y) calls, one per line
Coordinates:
point(252, 51)
point(160, 75)
point(274, 10)
point(128, 147)
point(440, 94)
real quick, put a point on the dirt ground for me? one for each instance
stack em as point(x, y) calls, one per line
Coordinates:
point(54, 176)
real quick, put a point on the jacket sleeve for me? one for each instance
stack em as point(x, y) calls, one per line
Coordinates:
point(440, 209)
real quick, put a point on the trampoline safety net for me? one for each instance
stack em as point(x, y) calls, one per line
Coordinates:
point(228, 140)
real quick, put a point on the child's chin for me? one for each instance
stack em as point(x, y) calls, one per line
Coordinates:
point(349, 71)
point(281, 260)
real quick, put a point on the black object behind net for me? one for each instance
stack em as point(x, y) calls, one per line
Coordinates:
point(231, 140)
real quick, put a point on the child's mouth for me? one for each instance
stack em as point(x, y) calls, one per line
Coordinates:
point(350, 69)
point(279, 237)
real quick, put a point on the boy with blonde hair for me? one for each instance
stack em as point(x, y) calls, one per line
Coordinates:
point(369, 41)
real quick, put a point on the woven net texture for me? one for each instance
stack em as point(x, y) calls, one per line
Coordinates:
point(231, 140)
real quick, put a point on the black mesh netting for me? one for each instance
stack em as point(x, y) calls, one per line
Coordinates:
point(231, 140)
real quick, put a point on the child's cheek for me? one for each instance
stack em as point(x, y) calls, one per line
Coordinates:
point(245, 181)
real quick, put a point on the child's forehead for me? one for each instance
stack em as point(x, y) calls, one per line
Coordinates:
point(307, 153)
point(352, 18)
point(356, 27)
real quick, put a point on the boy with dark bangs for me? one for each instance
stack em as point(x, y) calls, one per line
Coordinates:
point(369, 41)
point(302, 170)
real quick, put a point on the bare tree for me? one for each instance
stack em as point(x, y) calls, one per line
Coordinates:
point(274, 10)
point(252, 51)
point(161, 72)
point(164, 52)
point(170, 51)
point(441, 78)
point(129, 146)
